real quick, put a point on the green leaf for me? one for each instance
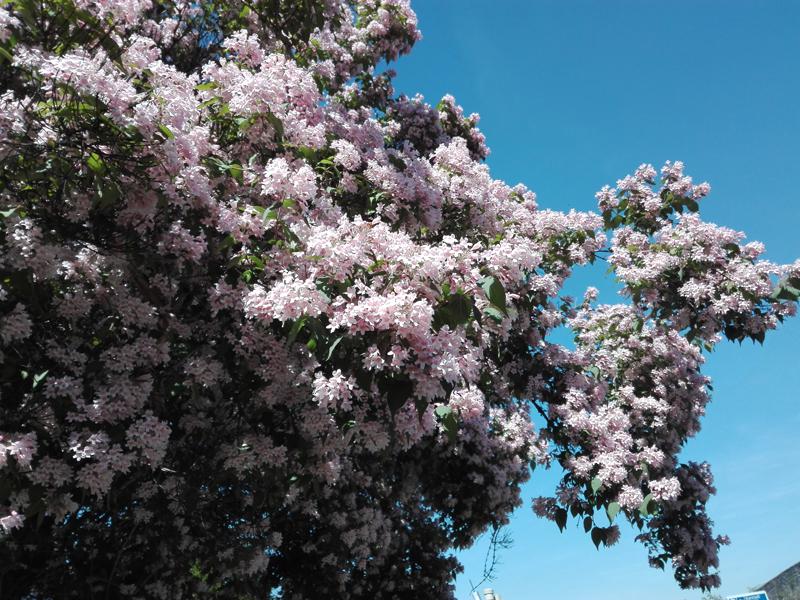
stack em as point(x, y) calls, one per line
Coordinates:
point(297, 326)
point(209, 102)
point(37, 379)
point(597, 483)
point(777, 292)
point(26, 9)
point(495, 313)
point(95, 163)
point(421, 405)
point(397, 162)
point(598, 536)
point(398, 391)
point(449, 421)
point(587, 524)
point(442, 411)
point(494, 292)
point(208, 85)
point(277, 124)
point(7, 213)
point(335, 343)
point(227, 242)
point(308, 153)
point(6, 54)
point(244, 123)
point(612, 511)
point(561, 518)
point(236, 172)
point(644, 507)
point(107, 193)
point(785, 290)
point(456, 311)
point(732, 248)
point(166, 132)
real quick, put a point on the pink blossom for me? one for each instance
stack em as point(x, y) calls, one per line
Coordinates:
point(274, 304)
point(665, 489)
point(347, 154)
point(22, 447)
point(287, 300)
point(11, 521)
point(468, 403)
point(16, 325)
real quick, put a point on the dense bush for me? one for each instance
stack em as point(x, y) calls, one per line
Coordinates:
point(270, 329)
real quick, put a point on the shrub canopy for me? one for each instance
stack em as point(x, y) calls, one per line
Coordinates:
point(270, 329)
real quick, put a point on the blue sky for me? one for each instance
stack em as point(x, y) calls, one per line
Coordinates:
point(575, 94)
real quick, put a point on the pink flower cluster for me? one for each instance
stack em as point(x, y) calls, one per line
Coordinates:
point(261, 317)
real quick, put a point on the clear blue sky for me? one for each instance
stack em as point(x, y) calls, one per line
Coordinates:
point(574, 94)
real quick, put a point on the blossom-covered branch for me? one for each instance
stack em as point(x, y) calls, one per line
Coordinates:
point(270, 328)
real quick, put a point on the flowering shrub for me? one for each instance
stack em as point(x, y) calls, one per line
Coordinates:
point(268, 328)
